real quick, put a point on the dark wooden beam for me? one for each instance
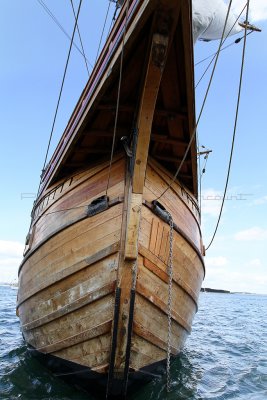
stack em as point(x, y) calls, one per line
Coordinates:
point(130, 108)
point(170, 158)
point(165, 139)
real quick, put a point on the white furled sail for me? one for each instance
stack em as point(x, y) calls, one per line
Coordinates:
point(209, 19)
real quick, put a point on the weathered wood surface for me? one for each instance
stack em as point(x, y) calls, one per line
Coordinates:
point(67, 285)
point(74, 263)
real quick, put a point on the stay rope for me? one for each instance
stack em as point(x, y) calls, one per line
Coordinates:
point(118, 97)
point(234, 131)
point(223, 48)
point(202, 107)
point(80, 38)
point(60, 94)
point(52, 16)
point(103, 30)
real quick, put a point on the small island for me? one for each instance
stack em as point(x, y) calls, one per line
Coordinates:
point(209, 290)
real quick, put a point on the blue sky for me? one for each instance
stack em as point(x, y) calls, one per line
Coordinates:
point(33, 56)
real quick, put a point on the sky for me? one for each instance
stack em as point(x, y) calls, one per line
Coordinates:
point(33, 56)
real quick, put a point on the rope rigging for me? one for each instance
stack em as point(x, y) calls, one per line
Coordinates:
point(60, 94)
point(238, 40)
point(234, 131)
point(52, 16)
point(118, 96)
point(202, 107)
point(80, 38)
point(103, 30)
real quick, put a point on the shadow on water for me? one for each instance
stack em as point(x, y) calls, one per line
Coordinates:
point(224, 358)
point(184, 381)
point(23, 377)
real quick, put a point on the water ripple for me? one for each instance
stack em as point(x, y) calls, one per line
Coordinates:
point(225, 358)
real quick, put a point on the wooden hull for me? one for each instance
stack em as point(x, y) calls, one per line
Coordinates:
point(77, 301)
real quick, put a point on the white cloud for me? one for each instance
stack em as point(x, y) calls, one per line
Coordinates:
point(216, 261)
point(261, 200)
point(10, 258)
point(257, 9)
point(256, 262)
point(211, 200)
point(254, 233)
point(230, 278)
point(11, 248)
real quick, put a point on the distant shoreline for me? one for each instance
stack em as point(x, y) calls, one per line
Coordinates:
point(209, 290)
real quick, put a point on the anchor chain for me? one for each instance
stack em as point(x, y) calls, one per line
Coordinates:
point(169, 308)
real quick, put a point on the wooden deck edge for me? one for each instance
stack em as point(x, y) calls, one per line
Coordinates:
point(164, 174)
point(89, 298)
point(92, 171)
point(86, 262)
point(100, 329)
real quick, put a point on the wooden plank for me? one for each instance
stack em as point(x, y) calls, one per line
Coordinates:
point(62, 274)
point(91, 353)
point(90, 297)
point(144, 353)
point(153, 234)
point(160, 269)
point(146, 334)
point(133, 224)
point(100, 329)
point(62, 239)
point(147, 108)
point(155, 324)
point(151, 296)
point(74, 286)
point(165, 245)
point(72, 324)
point(159, 238)
point(77, 246)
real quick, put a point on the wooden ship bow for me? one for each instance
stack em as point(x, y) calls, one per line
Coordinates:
point(113, 264)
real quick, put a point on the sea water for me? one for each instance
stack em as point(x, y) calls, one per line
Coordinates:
point(224, 358)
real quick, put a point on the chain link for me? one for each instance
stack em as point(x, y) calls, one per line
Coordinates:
point(169, 308)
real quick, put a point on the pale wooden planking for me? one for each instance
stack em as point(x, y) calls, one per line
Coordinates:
point(53, 283)
point(151, 287)
point(144, 353)
point(73, 305)
point(75, 249)
point(53, 297)
point(132, 229)
point(155, 324)
point(156, 266)
point(65, 237)
point(75, 182)
point(98, 330)
point(52, 222)
point(180, 190)
point(184, 252)
point(73, 323)
point(91, 353)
